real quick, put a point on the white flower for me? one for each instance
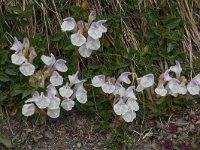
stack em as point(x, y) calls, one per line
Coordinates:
point(120, 108)
point(56, 79)
point(67, 104)
point(51, 90)
point(124, 78)
point(68, 24)
point(18, 58)
point(129, 93)
point(84, 51)
point(77, 39)
point(97, 29)
point(129, 116)
point(98, 81)
point(92, 16)
point(132, 104)
point(53, 113)
point(65, 91)
point(42, 101)
point(119, 90)
point(54, 102)
point(166, 75)
point(176, 69)
point(60, 65)
point(28, 109)
point(160, 90)
point(49, 61)
point(92, 44)
point(108, 87)
point(145, 82)
point(193, 87)
point(197, 78)
point(17, 46)
point(81, 95)
point(73, 79)
point(27, 69)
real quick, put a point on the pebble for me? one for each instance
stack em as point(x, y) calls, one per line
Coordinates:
point(37, 137)
point(48, 135)
point(78, 145)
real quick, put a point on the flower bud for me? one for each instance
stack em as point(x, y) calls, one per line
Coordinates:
point(35, 80)
point(32, 55)
point(92, 16)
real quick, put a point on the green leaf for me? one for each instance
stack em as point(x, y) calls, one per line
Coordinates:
point(57, 36)
point(3, 56)
point(4, 77)
point(7, 143)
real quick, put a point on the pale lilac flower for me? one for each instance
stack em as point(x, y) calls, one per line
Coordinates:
point(97, 29)
point(193, 87)
point(98, 81)
point(18, 58)
point(129, 93)
point(53, 113)
point(119, 90)
point(49, 61)
point(167, 76)
point(160, 90)
point(129, 116)
point(73, 79)
point(28, 109)
point(65, 91)
point(124, 77)
point(81, 95)
point(51, 90)
point(60, 65)
point(77, 39)
point(108, 87)
point(42, 101)
point(68, 24)
point(27, 69)
point(172, 87)
point(56, 79)
point(84, 51)
point(54, 102)
point(17, 46)
point(145, 82)
point(120, 108)
point(92, 44)
point(132, 104)
point(67, 104)
point(176, 69)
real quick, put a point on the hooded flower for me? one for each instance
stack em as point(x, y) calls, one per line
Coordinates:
point(92, 16)
point(17, 46)
point(145, 82)
point(27, 69)
point(68, 24)
point(81, 95)
point(28, 109)
point(193, 87)
point(93, 44)
point(65, 91)
point(108, 87)
point(84, 51)
point(56, 79)
point(60, 65)
point(42, 101)
point(18, 58)
point(77, 39)
point(120, 108)
point(176, 69)
point(124, 77)
point(160, 90)
point(73, 79)
point(67, 104)
point(97, 29)
point(49, 61)
point(98, 81)
point(54, 102)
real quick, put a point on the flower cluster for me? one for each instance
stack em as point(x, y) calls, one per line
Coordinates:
point(23, 56)
point(171, 82)
point(125, 103)
point(86, 34)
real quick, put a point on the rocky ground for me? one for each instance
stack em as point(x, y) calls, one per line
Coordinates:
point(74, 131)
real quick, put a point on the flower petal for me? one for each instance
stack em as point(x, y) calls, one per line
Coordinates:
point(108, 87)
point(132, 104)
point(84, 51)
point(56, 79)
point(160, 90)
point(27, 69)
point(81, 95)
point(67, 104)
point(65, 91)
point(68, 24)
point(49, 61)
point(54, 102)
point(193, 87)
point(124, 77)
point(28, 109)
point(98, 81)
point(93, 44)
point(53, 113)
point(60, 65)
point(18, 58)
point(73, 79)
point(177, 69)
point(17, 45)
point(120, 108)
point(129, 116)
point(42, 101)
point(77, 39)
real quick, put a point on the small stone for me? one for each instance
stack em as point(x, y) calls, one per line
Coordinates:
point(191, 127)
point(78, 145)
point(181, 122)
point(48, 135)
point(29, 147)
point(99, 143)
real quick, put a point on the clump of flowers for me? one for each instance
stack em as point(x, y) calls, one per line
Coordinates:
point(125, 103)
point(171, 82)
point(86, 35)
point(23, 56)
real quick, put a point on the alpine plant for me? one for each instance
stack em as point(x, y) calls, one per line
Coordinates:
point(86, 35)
